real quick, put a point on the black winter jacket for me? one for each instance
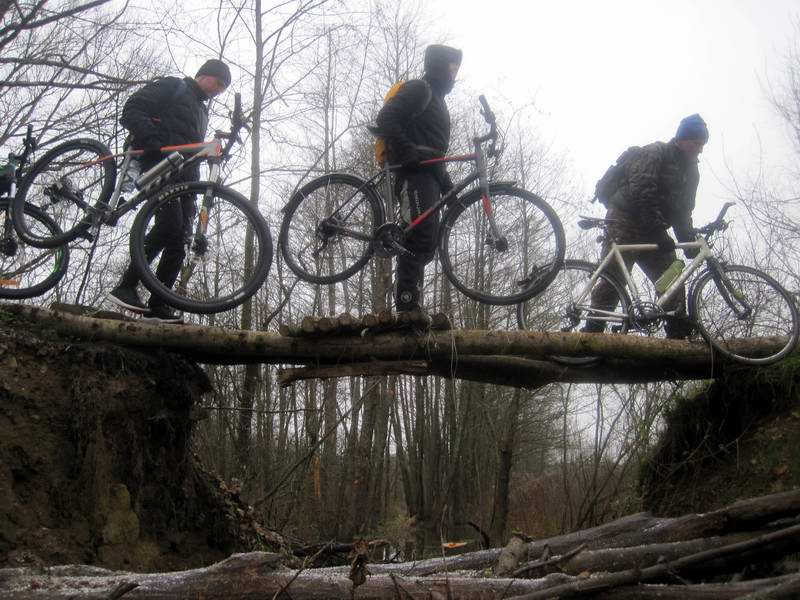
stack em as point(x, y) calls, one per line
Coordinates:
point(169, 111)
point(658, 190)
point(413, 138)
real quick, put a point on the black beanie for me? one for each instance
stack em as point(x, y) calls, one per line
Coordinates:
point(216, 68)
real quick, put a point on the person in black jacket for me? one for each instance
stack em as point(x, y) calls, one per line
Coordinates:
point(415, 123)
point(657, 191)
point(167, 112)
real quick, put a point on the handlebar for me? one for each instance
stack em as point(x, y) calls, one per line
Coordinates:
point(718, 224)
point(237, 122)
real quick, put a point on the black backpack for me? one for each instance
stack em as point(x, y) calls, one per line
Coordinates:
point(613, 177)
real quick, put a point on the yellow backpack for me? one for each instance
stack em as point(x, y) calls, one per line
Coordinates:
point(380, 142)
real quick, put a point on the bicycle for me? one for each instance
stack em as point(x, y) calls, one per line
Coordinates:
point(726, 302)
point(26, 271)
point(498, 243)
point(229, 253)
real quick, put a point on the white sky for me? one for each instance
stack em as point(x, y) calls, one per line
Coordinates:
point(607, 74)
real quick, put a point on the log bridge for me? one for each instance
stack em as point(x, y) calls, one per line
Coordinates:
point(388, 344)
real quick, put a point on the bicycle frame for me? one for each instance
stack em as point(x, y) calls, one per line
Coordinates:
point(385, 175)
point(478, 156)
point(615, 254)
point(210, 151)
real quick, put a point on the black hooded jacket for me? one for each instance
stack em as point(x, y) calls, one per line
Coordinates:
point(167, 112)
point(412, 135)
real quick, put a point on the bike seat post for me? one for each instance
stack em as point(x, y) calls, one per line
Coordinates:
point(389, 199)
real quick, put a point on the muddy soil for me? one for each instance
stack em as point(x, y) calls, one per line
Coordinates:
point(96, 464)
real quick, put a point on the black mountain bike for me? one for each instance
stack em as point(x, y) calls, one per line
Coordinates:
point(25, 270)
point(229, 252)
point(498, 243)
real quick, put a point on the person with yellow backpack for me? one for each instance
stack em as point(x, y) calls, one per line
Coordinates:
point(415, 124)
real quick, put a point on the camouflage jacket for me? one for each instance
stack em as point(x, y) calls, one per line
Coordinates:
point(657, 191)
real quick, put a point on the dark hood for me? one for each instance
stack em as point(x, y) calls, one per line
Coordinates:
point(438, 59)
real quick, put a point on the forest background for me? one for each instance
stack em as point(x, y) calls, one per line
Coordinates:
point(417, 459)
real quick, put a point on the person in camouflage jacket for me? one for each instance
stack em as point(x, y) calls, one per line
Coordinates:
point(656, 192)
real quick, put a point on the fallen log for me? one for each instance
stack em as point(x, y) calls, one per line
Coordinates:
point(259, 575)
point(646, 555)
point(510, 556)
point(245, 576)
point(755, 589)
point(218, 345)
point(445, 349)
point(629, 531)
point(509, 370)
point(666, 570)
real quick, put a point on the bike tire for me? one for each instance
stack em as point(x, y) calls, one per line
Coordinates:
point(27, 271)
point(312, 249)
point(66, 183)
point(722, 291)
point(555, 309)
point(487, 274)
point(218, 272)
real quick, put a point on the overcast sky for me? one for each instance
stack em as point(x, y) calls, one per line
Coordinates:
point(606, 74)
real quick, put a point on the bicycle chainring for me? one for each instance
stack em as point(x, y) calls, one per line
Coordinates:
point(646, 317)
point(389, 239)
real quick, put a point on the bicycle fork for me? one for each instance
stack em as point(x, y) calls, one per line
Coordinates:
point(497, 240)
point(732, 296)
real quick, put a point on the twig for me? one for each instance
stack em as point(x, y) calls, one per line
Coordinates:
point(398, 588)
point(303, 567)
point(556, 560)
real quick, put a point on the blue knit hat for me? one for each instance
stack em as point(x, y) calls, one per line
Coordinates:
point(692, 128)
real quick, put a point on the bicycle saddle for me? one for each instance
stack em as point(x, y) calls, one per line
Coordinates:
point(593, 222)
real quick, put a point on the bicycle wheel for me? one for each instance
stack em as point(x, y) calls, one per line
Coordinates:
point(227, 256)
point(27, 271)
point(328, 227)
point(506, 271)
point(65, 184)
point(732, 302)
point(565, 306)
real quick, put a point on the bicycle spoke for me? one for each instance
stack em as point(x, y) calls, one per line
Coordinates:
point(745, 314)
point(327, 231)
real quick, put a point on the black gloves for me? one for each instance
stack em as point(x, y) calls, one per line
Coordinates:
point(666, 244)
point(151, 150)
point(411, 166)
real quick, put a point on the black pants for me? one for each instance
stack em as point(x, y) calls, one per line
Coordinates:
point(422, 190)
point(167, 237)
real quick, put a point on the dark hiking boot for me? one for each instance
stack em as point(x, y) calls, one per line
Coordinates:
point(161, 313)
